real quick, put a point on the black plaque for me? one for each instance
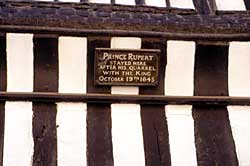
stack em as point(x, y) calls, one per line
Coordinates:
point(126, 67)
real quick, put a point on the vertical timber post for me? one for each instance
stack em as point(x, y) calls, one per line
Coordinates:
point(140, 2)
point(213, 136)
point(205, 6)
point(247, 4)
point(99, 139)
point(44, 113)
point(154, 124)
point(3, 87)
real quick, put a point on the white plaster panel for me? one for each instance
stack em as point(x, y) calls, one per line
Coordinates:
point(125, 2)
point(238, 70)
point(71, 134)
point(239, 85)
point(72, 64)
point(181, 135)
point(18, 139)
point(71, 117)
point(182, 4)
point(126, 42)
point(179, 81)
point(230, 5)
point(45, 0)
point(127, 135)
point(179, 76)
point(159, 3)
point(126, 90)
point(99, 1)
point(240, 123)
point(69, 0)
point(19, 62)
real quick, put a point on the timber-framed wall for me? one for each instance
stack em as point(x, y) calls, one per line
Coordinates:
point(206, 30)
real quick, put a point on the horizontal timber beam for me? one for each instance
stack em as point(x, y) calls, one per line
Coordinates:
point(127, 33)
point(135, 99)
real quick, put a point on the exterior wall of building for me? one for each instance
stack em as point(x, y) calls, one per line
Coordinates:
point(126, 134)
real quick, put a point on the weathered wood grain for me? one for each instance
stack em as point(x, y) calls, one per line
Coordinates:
point(154, 124)
point(213, 135)
point(99, 139)
point(3, 87)
point(44, 113)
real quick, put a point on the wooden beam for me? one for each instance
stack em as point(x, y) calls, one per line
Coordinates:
point(3, 87)
point(189, 36)
point(138, 99)
point(140, 2)
point(205, 6)
point(153, 118)
point(44, 114)
point(99, 136)
point(213, 136)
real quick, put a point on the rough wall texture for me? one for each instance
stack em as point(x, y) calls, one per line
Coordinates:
point(214, 143)
point(86, 18)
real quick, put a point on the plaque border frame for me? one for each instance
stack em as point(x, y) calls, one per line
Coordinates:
point(157, 52)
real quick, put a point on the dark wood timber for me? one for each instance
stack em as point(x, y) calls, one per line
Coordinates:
point(140, 2)
point(99, 139)
point(154, 124)
point(188, 35)
point(44, 113)
point(247, 4)
point(3, 87)
point(205, 6)
point(112, 1)
point(3, 63)
point(86, 19)
point(167, 3)
point(133, 99)
point(2, 123)
point(213, 136)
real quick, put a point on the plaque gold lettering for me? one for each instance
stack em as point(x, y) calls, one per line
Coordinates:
point(126, 67)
